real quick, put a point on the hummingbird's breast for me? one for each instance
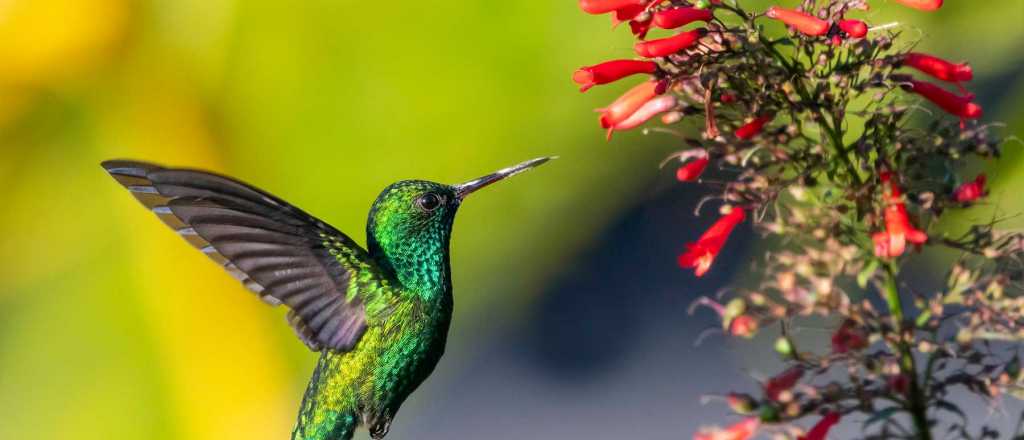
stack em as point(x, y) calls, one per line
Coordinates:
point(386, 366)
point(411, 350)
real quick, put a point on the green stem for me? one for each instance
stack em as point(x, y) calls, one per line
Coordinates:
point(916, 400)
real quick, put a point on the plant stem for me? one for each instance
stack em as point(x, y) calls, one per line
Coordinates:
point(832, 130)
point(916, 399)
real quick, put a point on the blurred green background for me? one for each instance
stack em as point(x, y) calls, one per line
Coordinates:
point(112, 327)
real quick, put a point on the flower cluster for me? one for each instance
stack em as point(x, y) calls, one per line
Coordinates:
point(822, 127)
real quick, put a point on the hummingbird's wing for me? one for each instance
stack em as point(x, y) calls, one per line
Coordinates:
point(275, 249)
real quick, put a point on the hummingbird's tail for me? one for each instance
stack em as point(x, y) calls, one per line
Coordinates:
point(324, 415)
point(333, 427)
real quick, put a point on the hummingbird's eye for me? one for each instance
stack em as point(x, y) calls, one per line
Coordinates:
point(428, 202)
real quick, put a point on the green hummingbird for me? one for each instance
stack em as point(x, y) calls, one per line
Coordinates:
point(379, 316)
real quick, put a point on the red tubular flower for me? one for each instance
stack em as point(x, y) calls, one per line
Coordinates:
point(605, 6)
point(692, 170)
point(649, 110)
point(628, 103)
point(702, 253)
point(753, 127)
point(891, 242)
point(924, 5)
point(611, 71)
point(820, 430)
point(668, 46)
point(951, 103)
point(676, 17)
point(938, 67)
point(801, 21)
point(854, 28)
point(742, 430)
point(628, 13)
point(970, 191)
point(848, 338)
point(784, 381)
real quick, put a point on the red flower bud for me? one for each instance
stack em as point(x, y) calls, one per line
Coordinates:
point(676, 17)
point(820, 430)
point(854, 28)
point(970, 191)
point(727, 98)
point(647, 111)
point(701, 254)
point(953, 104)
point(938, 67)
point(752, 128)
point(628, 103)
point(924, 5)
point(605, 6)
point(668, 46)
point(611, 71)
point(692, 170)
point(782, 382)
point(801, 21)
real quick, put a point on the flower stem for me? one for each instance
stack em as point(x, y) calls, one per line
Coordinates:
point(916, 400)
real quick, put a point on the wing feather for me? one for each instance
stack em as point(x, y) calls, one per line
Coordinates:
point(276, 250)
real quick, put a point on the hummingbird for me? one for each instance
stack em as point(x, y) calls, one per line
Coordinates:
point(378, 316)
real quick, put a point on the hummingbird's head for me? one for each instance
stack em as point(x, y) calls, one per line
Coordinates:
point(410, 224)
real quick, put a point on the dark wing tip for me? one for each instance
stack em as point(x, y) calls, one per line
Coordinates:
point(131, 168)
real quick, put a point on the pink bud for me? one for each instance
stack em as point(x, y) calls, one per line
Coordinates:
point(649, 110)
point(628, 103)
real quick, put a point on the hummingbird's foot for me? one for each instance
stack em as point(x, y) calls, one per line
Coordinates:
point(380, 429)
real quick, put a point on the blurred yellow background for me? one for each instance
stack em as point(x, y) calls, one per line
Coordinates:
point(112, 327)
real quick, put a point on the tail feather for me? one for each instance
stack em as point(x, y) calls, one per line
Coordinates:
point(335, 426)
point(324, 415)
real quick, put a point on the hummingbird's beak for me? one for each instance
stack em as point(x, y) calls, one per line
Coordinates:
point(464, 189)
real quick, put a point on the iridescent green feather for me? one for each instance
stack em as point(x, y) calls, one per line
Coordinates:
point(379, 316)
